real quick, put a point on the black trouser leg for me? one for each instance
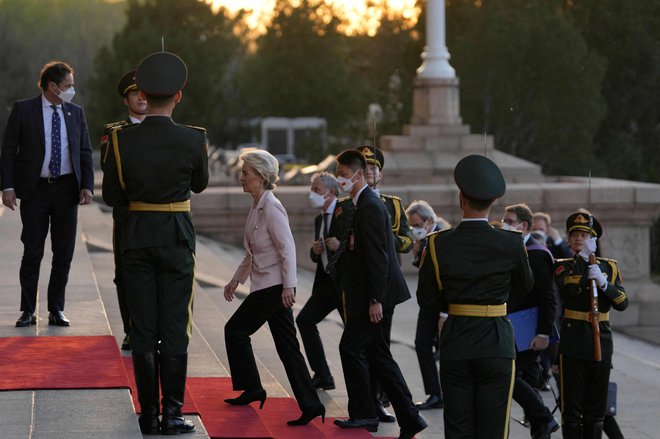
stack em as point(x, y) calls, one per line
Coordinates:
point(528, 397)
point(173, 369)
point(119, 275)
point(145, 367)
point(426, 338)
point(315, 310)
point(592, 430)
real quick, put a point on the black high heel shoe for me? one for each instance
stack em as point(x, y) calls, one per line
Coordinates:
point(249, 396)
point(308, 415)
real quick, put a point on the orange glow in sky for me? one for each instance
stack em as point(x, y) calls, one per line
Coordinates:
point(358, 15)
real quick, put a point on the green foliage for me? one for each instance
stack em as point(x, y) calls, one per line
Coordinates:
point(627, 34)
point(301, 67)
point(528, 77)
point(204, 40)
point(33, 32)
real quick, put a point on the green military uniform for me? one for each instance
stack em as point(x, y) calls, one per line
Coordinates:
point(469, 273)
point(584, 381)
point(119, 214)
point(152, 168)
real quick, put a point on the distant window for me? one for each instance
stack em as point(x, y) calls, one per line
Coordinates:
point(277, 141)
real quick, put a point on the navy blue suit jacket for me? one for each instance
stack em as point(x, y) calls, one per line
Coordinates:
point(23, 149)
point(369, 266)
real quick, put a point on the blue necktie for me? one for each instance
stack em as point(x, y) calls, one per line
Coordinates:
point(56, 144)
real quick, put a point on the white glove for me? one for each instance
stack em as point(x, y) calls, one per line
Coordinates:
point(589, 248)
point(599, 276)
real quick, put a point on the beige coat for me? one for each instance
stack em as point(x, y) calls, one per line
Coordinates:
point(270, 252)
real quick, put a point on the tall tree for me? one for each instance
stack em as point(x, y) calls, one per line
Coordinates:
point(627, 34)
point(529, 78)
point(301, 67)
point(204, 40)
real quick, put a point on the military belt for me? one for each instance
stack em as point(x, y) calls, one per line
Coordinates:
point(456, 309)
point(177, 206)
point(585, 316)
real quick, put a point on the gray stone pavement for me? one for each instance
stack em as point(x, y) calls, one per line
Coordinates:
point(93, 310)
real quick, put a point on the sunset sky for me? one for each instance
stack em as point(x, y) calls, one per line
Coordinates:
point(359, 16)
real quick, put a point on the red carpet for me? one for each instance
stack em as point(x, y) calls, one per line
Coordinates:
point(30, 363)
point(189, 406)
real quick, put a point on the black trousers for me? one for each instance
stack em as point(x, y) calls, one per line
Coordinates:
point(527, 396)
point(584, 385)
point(119, 216)
point(477, 394)
point(317, 308)
point(258, 308)
point(159, 292)
point(53, 205)
point(364, 347)
point(426, 337)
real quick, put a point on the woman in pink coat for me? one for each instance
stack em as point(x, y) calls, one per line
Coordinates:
point(270, 263)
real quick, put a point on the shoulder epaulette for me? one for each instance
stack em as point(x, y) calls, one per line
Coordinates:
point(608, 260)
point(202, 129)
point(393, 197)
point(112, 125)
point(438, 232)
point(344, 199)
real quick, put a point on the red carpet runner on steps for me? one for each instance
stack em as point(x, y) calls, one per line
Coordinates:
point(95, 362)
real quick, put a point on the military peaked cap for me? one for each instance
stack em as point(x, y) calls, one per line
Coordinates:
point(161, 74)
point(579, 221)
point(479, 178)
point(373, 155)
point(127, 83)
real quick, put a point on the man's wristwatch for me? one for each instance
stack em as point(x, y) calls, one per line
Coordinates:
point(373, 301)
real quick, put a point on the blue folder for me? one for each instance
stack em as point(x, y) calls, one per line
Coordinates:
point(524, 327)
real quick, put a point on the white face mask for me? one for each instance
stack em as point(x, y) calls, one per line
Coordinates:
point(67, 95)
point(507, 226)
point(419, 233)
point(316, 200)
point(346, 184)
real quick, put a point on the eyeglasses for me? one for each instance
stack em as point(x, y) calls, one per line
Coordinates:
point(509, 221)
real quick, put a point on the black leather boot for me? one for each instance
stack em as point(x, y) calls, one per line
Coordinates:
point(145, 366)
point(571, 430)
point(592, 430)
point(173, 370)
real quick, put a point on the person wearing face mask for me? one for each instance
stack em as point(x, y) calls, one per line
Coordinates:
point(371, 284)
point(137, 110)
point(423, 221)
point(328, 227)
point(402, 237)
point(543, 298)
point(555, 243)
point(584, 378)
point(46, 162)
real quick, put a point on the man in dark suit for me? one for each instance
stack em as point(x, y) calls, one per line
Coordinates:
point(137, 110)
point(47, 163)
point(468, 272)
point(371, 285)
point(542, 224)
point(544, 297)
point(328, 227)
point(152, 168)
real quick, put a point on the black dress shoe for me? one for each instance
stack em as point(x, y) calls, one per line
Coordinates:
point(325, 383)
point(126, 343)
point(308, 415)
point(58, 318)
point(411, 431)
point(545, 430)
point(26, 319)
point(433, 402)
point(383, 414)
point(370, 424)
point(249, 396)
point(174, 425)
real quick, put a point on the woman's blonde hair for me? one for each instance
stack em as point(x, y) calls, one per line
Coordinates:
point(265, 164)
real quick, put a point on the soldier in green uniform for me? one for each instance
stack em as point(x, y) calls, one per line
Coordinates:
point(152, 168)
point(583, 378)
point(137, 110)
point(398, 218)
point(469, 272)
